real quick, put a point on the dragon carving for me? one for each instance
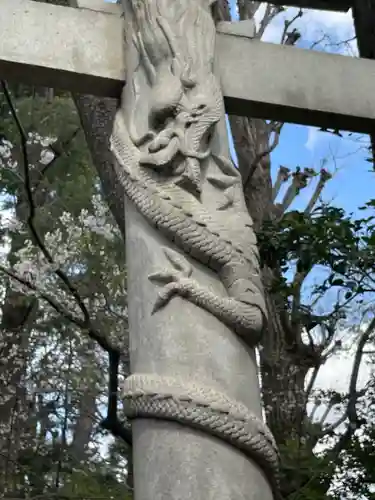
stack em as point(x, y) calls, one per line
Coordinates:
point(177, 172)
point(170, 169)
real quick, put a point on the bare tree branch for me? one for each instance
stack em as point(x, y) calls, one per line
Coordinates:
point(285, 36)
point(324, 178)
point(270, 13)
point(330, 43)
point(311, 383)
point(351, 409)
point(283, 175)
point(353, 393)
point(32, 209)
point(330, 428)
point(58, 148)
point(82, 324)
point(276, 129)
point(300, 181)
point(326, 412)
point(296, 289)
point(111, 422)
point(247, 9)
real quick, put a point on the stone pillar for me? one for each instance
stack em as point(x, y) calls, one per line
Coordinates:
point(364, 23)
point(196, 307)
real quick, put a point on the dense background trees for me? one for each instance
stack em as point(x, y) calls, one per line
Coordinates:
point(67, 255)
point(63, 328)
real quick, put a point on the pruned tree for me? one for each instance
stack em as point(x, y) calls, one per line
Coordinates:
point(299, 337)
point(64, 260)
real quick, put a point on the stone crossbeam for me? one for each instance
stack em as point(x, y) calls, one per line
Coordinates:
point(63, 47)
point(80, 49)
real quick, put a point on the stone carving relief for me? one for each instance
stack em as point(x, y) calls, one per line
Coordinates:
point(169, 163)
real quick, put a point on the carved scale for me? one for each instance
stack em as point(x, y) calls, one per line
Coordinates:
point(164, 145)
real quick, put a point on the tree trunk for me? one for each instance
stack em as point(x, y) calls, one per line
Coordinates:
point(97, 117)
point(86, 405)
point(283, 370)
point(18, 314)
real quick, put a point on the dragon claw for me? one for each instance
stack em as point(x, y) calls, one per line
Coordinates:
point(170, 289)
point(179, 263)
point(171, 279)
point(163, 277)
point(164, 296)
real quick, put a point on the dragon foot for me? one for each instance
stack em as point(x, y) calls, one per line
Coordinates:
point(174, 281)
point(245, 319)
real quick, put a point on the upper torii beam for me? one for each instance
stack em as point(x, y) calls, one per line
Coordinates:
point(193, 271)
point(91, 58)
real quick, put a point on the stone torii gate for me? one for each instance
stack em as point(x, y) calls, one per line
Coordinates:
point(196, 307)
point(92, 58)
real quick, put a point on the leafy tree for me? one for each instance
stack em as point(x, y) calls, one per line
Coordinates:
point(61, 226)
point(64, 262)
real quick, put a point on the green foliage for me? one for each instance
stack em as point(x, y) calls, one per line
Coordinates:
point(95, 484)
point(53, 449)
point(58, 450)
point(93, 480)
point(328, 238)
point(311, 478)
point(342, 250)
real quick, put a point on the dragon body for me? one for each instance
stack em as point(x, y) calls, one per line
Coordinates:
point(171, 173)
point(174, 165)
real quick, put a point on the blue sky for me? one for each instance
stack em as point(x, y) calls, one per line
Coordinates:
point(353, 182)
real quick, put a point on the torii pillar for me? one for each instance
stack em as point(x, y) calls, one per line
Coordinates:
point(196, 306)
point(195, 299)
point(364, 23)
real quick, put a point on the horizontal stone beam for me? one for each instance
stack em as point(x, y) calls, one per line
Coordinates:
point(335, 5)
point(294, 85)
point(81, 50)
point(49, 45)
point(100, 5)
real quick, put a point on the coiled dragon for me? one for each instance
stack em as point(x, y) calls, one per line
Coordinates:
point(172, 173)
point(176, 171)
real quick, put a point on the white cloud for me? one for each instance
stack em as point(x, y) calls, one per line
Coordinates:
point(313, 137)
point(335, 374)
point(313, 25)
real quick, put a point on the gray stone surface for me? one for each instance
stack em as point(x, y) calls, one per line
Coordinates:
point(63, 47)
point(172, 461)
point(296, 85)
point(240, 28)
point(196, 305)
point(186, 465)
point(307, 87)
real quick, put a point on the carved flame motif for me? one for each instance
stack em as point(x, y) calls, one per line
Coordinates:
point(185, 99)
